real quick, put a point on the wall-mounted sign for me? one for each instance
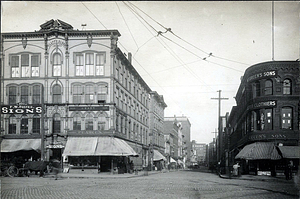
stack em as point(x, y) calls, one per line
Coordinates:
point(21, 109)
point(266, 104)
point(89, 108)
point(272, 136)
point(271, 73)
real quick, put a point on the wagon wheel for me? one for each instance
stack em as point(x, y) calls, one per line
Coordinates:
point(12, 171)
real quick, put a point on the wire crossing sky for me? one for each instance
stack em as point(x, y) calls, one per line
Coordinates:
point(184, 50)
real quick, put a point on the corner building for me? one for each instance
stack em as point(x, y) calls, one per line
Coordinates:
point(95, 104)
point(264, 125)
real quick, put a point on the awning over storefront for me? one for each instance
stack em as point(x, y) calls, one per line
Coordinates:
point(97, 146)
point(292, 152)
point(157, 156)
point(12, 145)
point(172, 160)
point(259, 151)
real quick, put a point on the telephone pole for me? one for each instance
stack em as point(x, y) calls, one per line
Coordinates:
point(219, 124)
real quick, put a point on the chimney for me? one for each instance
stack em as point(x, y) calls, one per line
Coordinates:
point(129, 57)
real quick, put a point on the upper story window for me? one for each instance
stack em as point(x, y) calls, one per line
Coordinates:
point(287, 87)
point(25, 65)
point(15, 71)
point(56, 123)
point(286, 118)
point(57, 96)
point(12, 95)
point(100, 61)
point(256, 89)
point(79, 65)
point(102, 92)
point(89, 122)
point(24, 94)
point(22, 64)
point(89, 94)
point(77, 122)
point(89, 64)
point(268, 87)
point(57, 64)
point(77, 93)
point(24, 125)
point(36, 94)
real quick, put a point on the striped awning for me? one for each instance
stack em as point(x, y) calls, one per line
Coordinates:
point(157, 156)
point(97, 146)
point(292, 152)
point(259, 151)
point(12, 145)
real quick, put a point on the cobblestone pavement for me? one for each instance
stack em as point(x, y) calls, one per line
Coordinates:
point(180, 184)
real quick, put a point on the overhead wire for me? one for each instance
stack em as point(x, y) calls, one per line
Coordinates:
point(127, 25)
point(94, 15)
point(169, 30)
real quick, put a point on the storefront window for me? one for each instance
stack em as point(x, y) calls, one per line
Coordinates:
point(12, 125)
point(24, 125)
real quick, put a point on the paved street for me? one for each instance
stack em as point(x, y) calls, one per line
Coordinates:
point(179, 184)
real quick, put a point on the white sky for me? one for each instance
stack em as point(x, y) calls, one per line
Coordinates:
point(237, 31)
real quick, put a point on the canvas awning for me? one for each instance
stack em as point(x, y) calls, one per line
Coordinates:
point(12, 145)
point(292, 152)
point(180, 162)
point(172, 160)
point(259, 151)
point(157, 156)
point(97, 146)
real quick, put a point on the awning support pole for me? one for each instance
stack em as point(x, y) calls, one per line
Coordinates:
point(112, 166)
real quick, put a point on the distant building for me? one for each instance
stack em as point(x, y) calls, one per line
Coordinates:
point(199, 150)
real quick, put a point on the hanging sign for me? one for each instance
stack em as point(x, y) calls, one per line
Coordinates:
point(21, 109)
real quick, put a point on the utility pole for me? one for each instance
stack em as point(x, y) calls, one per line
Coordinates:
point(219, 123)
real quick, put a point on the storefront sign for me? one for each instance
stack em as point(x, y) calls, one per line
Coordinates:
point(89, 108)
point(266, 104)
point(21, 109)
point(267, 136)
point(55, 146)
point(256, 76)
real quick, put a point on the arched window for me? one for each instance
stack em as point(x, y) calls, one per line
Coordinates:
point(24, 94)
point(36, 124)
point(56, 123)
point(287, 87)
point(56, 94)
point(102, 122)
point(268, 87)
point(77, 93)
point(77, 122)
point(286, 118)
point(57, 64)
point(89, 122)
point(12, 125)
point(256, 89)
point(89, 94)
point(24, 124)
point(36, 94)
point(12, 95)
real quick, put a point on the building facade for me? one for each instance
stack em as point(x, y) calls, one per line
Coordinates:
point(265, 120)
point(63, 89)
point(156, 134)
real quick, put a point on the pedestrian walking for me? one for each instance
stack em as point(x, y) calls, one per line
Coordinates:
point(236, 169)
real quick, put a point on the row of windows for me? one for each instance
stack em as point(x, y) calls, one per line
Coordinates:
point(23, 125)
point(86, 64)
point(268, 88)
point(81, 93)
point(263, 119)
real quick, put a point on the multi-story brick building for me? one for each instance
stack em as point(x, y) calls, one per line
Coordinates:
point(156, 134)
point(264, 125)
point(72, 93)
